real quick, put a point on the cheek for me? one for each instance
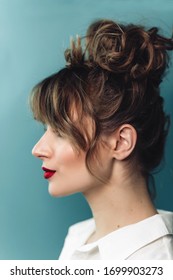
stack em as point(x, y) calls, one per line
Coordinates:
point(72, 175)
point(67, 157)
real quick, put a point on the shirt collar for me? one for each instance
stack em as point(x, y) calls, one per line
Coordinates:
point(123, 242)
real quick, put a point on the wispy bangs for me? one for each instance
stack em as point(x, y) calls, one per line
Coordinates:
point(61, 102)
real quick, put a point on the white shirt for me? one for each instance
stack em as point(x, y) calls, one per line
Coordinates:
point(149, 239)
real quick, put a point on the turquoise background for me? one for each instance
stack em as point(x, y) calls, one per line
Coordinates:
point(33, 37)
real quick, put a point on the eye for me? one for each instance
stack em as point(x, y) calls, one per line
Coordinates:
point(57, 132)
point(44, 127)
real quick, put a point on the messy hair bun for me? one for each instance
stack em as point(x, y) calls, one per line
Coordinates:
point(128, 49)
point(123, 49)
point(114, 79)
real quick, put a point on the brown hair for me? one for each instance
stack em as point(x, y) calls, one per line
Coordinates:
point(114, 79)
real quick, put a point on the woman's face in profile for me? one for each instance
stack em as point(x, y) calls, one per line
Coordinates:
point(70, 172)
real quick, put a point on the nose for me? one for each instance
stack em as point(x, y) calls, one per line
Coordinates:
point(41, 149)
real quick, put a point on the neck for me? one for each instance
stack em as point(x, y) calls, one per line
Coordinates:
point(119, 203)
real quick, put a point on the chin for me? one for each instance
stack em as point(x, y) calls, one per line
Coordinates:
point(56, 191)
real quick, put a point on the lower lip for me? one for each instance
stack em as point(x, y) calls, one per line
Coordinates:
point(48, 174)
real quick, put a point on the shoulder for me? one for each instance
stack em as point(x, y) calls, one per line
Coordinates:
point(161, 230)
point(160, 249)
point(167, 217)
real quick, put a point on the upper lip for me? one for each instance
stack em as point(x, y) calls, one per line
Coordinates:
point(48, 170)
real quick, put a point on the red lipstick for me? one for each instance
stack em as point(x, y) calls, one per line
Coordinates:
point(48, 172)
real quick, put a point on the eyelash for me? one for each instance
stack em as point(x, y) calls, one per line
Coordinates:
point(56, 132)
point(44, 128)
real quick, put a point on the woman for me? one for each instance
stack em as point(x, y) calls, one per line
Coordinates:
point(105, 134)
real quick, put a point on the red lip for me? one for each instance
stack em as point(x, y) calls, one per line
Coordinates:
point(48, 172)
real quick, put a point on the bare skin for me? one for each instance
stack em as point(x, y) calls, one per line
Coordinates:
point(125, 199)
point(122, 200)
point(116, 206)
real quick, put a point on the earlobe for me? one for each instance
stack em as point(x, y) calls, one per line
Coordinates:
point(126, 137)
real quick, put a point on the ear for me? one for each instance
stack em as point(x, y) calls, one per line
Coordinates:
point(124, 141)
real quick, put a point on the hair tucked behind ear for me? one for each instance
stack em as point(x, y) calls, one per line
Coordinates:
point(127, 64)
point(117, 75)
